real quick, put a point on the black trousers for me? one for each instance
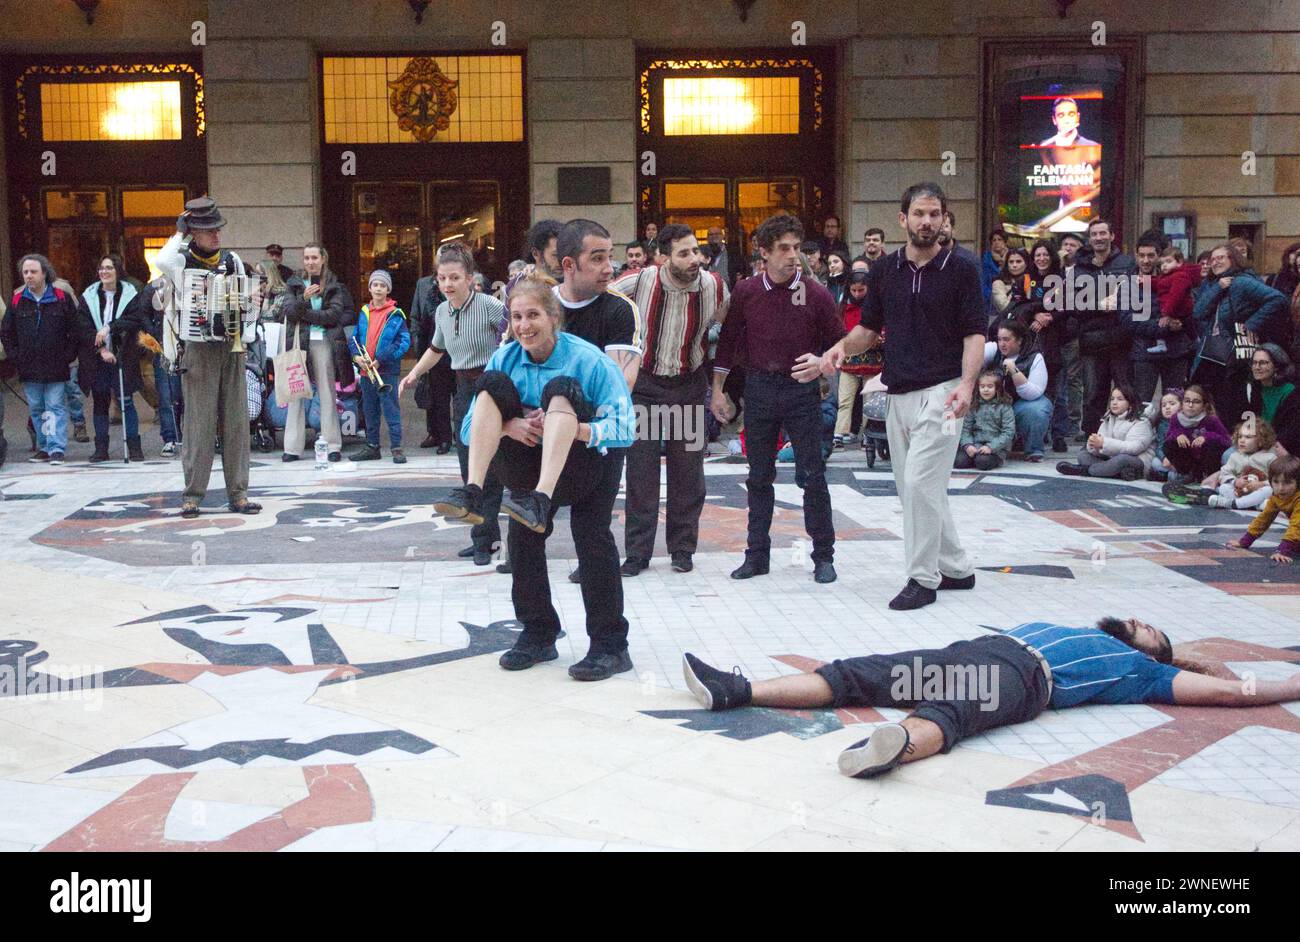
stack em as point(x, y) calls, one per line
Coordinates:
point(488, 532)
point(672, 409)
point(774, 401)
point(1101, 371)
point(437, 418)
point(1171, 373)
point(588, 486)
point(982, 684)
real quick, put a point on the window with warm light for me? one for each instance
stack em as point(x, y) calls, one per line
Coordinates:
point(740, 105)
point(111, 111)
point(359, 94)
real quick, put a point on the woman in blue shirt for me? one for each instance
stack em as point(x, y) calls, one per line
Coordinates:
point(557, 390)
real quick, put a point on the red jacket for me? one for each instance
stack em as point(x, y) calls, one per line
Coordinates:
point(1174, 290)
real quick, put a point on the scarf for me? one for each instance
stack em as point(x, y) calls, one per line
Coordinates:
point(1185, 422)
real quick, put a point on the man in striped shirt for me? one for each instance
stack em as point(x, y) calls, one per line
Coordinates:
point(678, 301)
point(467, 325)
point(973, 686)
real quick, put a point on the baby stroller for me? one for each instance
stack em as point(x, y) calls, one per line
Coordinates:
point(875, 403)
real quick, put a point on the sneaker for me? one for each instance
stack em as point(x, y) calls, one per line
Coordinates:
point(335, 457)
point(39, 457)
point(531, 508)
point(952, 582)
point(601, 666)
point(878, 753)
point(1220, 502)
point(56, 457)
point(1070, 469)
point(1200, 497)
point(169, 450)
point(463, 503)
point(715, 689)
point(633, 566)
point(1172, 490)
point(914, 595)
point(526, 653)
point(682, 562)
point(366, 453)
point(1034, 458)
point(398, 456)
point(79, 432)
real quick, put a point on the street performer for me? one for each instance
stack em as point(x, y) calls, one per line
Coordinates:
point(202, 277)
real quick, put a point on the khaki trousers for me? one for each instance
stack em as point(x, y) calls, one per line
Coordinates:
point(850, 386)
point(320, 361)
point(921, 449)
point(216, 403)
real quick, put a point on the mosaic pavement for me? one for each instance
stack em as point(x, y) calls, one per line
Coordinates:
point(324, 676)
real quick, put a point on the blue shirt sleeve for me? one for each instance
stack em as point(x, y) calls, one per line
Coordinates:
point(614, 425)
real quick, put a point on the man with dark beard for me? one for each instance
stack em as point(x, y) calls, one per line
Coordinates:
point(677, 302)
point(928, 300)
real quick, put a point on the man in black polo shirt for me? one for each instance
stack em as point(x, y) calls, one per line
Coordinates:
point(776, 323)
point(928, 302)
point(592, 310)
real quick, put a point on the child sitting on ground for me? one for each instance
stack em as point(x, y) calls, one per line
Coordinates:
point(989, 427)
point(1282, 475)
point(1196, 440)
point(1160, 416)
point(1122, 447)
point(1229, 487)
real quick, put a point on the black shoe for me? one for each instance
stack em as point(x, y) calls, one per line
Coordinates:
point(399, 457)
point(365, 453)
point(336, 456)
point(482, 557)
point(823, 572)
point(56, 457)
point(951, 582)
point(429, 442)
point(633, 566)
point(526, 653)
point(531, 509)
point(101, 453)
point(715, 689)
point(751, 567)
point(1130, 474)
point(914, 595)
point(290, 456)
point(601, 666)
point(133, 450)
point(1059, 445)
point(443, 449)
point(463, 503)
point(505, 568)
point(39, 457)
point(682, 562)
point(467, 553)
point(576, 576)
point(1070, 469)
point(878, 753)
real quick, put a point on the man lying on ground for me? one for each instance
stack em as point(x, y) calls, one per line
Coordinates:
point(973, 686)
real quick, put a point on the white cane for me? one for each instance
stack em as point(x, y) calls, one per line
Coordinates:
point(121, 400)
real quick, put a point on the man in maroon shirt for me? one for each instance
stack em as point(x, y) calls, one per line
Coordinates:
point(778, 323)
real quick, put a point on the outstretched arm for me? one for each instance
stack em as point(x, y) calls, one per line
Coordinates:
point(1192, 689)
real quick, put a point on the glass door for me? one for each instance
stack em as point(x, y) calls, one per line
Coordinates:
point(77, 232)
point(467, 211)
point(736, 205)
point(148, 221)
point(388, 221)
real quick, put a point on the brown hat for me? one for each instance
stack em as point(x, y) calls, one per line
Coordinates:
point(202, 213)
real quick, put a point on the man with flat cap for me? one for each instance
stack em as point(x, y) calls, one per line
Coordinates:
point(212, 373)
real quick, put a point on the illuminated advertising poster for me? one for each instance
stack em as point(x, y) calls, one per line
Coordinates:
point(1057, 147)
point(1060, 160)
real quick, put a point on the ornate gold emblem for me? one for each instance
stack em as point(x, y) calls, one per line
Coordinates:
point(423, 99)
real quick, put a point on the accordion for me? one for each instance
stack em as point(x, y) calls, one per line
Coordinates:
point(219, 305)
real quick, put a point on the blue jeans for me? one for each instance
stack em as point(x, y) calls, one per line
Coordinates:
point(1062, 427)
point(74, 399)
point(1032, 418)
point(168, 385)
point(51, 399)
point(130, 420)
point(372, 401)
